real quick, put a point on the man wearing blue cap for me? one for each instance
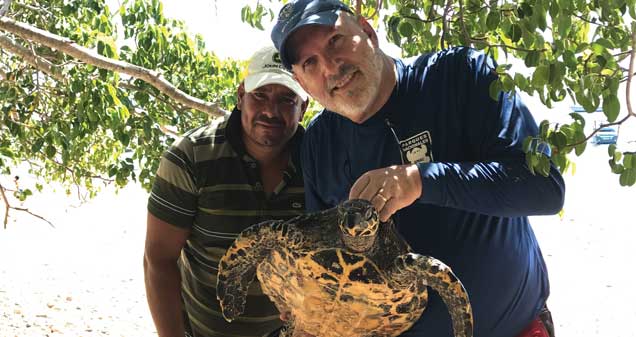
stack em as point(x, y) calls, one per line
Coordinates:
point(214, 182)
point(426, 144)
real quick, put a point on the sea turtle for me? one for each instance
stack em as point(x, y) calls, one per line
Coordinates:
point(339, 272)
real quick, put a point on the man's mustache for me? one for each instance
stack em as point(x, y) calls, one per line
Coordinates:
point(344, 70)
point(267, 120)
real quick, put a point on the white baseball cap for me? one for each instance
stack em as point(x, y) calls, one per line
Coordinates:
point(266, 68)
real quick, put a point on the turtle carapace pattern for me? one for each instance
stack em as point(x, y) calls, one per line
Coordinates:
point(339, 272)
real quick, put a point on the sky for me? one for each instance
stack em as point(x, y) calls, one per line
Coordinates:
point(219, 21)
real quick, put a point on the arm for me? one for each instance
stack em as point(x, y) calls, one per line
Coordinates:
point(494, 179)
point(491, 177)
point(171, 211)
point(163, 281)
point(500, 188)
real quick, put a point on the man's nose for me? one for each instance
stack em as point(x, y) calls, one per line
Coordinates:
point(270, 109)
point(331, 64)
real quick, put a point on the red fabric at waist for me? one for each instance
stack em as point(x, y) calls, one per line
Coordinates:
point(535, 329)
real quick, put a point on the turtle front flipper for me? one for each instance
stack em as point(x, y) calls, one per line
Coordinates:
point(237, 268)
point(410, 268)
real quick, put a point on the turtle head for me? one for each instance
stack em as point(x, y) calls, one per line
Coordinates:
point(359, 223)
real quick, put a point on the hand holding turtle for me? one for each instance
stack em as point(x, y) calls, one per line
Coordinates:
point(389, 189)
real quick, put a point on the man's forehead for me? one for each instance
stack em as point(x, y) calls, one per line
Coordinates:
point(276, 88)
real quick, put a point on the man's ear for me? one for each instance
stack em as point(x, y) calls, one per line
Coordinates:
point(240, 93)
point(367, 29)
point(298, 79)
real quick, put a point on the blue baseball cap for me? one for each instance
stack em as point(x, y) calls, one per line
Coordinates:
point(300, 13)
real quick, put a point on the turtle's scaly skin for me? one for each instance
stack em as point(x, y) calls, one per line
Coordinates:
point(338, 274)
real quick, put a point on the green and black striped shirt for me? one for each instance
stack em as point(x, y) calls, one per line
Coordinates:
point(207, 183)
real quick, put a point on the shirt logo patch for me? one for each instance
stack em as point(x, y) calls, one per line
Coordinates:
point(418, 149)
point(297, 205)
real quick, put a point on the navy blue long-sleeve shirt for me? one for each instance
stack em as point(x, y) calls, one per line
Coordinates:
point(476, 188)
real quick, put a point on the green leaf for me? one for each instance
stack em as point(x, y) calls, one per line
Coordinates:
point(515, 33)
point(544, 165)
point(627, 161)
point(50, 151)
point(579, 149)
point(541, 75)
point(628, 177)
point(611, 149)
point(494, 89)
point(124, 138)
point(544, 127)
point(37, 145)
point(541, 21)
point(113, 93)
point(560, 139)
point(507, 83)
point(569, 59)
point(7, 152)
point(526, 144)
point(532, 58)
point(493, 19)
point(405, 28)
point(565, 23)
point(605, 43)
point(557, 73)
point(611, 107)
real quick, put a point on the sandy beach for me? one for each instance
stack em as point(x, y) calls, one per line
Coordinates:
point(85, 278)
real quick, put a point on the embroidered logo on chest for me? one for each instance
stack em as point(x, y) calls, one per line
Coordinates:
point(418, 149)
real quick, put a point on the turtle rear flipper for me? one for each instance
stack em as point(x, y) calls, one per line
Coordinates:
point(410, 268)
point(237, 268)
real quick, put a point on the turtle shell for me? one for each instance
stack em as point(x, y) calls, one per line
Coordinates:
point(333, 292)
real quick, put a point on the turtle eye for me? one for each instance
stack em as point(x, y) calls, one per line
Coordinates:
point(369, 213)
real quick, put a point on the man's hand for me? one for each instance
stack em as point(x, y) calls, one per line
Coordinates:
point(389, 189)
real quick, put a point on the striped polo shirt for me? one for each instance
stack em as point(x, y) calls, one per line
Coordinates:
point(209, 184)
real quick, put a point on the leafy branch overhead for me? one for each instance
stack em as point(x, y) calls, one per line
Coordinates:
point(576, 49)
point(91, 95)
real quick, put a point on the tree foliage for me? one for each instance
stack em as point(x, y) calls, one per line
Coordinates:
point(92, 94)
point(575, 48)
point(78, 124)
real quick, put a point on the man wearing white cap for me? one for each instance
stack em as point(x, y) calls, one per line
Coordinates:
point(213, 183)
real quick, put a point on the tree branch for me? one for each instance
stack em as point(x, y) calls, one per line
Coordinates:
point(467, 37)
point(129, 86)
point(597, 130)
point(376, 10)
point(632, 60)
point(415, 17)
point(445, 28)
point(88, 56)
point(8, 207)
point(40, 10)
point(29, 57)
point(588, 20)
